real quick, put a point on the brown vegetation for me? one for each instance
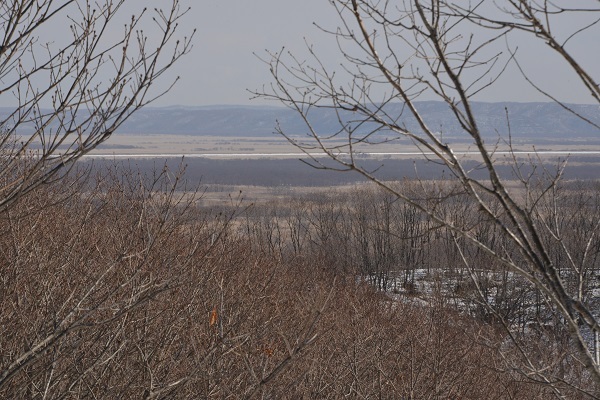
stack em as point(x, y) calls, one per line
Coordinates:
point(128, 289)
point(394, 54)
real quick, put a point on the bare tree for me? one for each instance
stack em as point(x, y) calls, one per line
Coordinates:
point(71, 73)
point(395, 53)
point(75, 71)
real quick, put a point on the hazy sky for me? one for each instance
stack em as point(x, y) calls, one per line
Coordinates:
point(222, 65)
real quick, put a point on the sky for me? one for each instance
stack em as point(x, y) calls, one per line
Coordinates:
point(232, 34)
point(223, 64)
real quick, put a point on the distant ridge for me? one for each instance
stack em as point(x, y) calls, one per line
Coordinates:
point(529, 120)
point(526, 119)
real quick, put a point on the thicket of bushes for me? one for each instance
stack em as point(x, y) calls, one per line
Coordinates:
point(126, 288)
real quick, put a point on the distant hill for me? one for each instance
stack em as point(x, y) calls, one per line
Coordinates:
point(527, 120)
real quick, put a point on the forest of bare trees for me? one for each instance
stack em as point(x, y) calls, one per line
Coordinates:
point(122, 283)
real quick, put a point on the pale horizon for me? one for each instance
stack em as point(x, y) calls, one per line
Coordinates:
point(224, 65)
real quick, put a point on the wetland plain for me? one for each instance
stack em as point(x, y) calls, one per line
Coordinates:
point(268, 167)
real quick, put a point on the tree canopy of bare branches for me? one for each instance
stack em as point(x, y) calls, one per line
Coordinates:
point(395, 53)
point(73, 72)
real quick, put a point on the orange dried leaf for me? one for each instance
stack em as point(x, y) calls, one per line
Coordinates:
point(213, 317)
